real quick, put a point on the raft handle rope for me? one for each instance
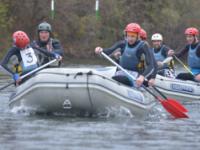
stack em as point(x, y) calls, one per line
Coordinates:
point(78, 74)
point(88, 89)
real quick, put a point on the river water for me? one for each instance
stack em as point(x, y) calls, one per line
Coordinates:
point(119, 132)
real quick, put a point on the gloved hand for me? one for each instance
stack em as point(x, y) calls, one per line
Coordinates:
point(98, 50)
point(57, 56)
point(160, 64)
point(16, 76)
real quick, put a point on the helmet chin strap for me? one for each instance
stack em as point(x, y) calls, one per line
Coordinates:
point(195, 40)
point(137, 37)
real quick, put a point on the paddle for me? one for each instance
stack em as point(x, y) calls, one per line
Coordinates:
point(171, 107)
point(172, 101)
point(167, 60)
point(186, 68)
point(29, 73)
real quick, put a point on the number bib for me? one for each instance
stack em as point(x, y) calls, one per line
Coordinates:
point(28, 57)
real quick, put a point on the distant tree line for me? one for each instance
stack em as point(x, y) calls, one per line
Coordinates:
point(79, 31)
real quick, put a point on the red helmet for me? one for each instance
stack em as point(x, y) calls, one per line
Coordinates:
point(133, 27)
point(20, 39)
point(143, 34)
point(192, 31)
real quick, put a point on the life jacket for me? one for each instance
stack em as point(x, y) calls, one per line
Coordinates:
point(17, 68)
point(193, 59)
point(129, 59)
point(42, 58)
point(142, 64)
point(29, 60)
point(158, 56)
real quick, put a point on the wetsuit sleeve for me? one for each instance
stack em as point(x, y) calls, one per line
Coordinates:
point(147, 44)
point(119, 44)
point(150, 68)
point(155, 70)
point(198, 51)
point(183, 51)
point(57, 48)
point(153, 75)
point(6, 59)
point(165, 51)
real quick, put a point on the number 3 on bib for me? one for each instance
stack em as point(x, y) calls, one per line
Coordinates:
point(29, 58)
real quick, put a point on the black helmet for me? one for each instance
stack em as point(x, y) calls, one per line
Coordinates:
point(44, 26)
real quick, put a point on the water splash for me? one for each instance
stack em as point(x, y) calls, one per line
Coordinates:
point(24, 110)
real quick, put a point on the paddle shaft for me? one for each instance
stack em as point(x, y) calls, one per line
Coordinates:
point(29, 73)
point(167, 60)
point(159, 92)
point(37, 69)
point(186, 68)
point(126, 72)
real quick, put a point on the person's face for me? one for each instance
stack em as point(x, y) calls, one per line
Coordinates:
point(156, 43)
point(190, 39)
point(131, 37)
point(44, 35)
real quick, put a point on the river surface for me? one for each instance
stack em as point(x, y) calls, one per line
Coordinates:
point(19, 131)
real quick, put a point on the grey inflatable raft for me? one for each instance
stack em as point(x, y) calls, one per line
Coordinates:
point(185, 91)
point(79, 90)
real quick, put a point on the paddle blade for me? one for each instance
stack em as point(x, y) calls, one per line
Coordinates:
point(177, 105)
point(173, 109)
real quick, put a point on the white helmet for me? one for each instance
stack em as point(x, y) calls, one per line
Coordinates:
point(157, 37)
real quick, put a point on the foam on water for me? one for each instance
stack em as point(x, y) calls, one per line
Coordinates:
point(24, 110)
point(156, 113)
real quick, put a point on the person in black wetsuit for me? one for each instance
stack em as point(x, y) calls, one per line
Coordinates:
point(161, 52)
point(132, 49)
point(193, 58)
point(25, 55)
point(47, 43)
